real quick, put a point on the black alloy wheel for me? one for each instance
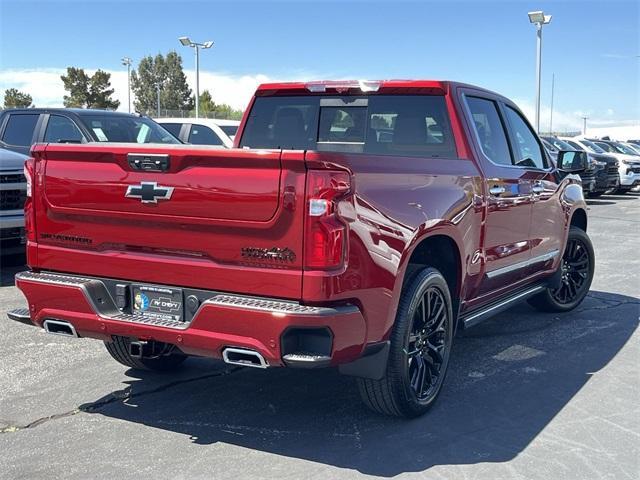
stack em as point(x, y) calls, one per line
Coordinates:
point(426, 346)
point(575, 272)
point(420, 346)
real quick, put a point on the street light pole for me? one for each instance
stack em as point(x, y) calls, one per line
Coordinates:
point(158, 99)
point(197, 49)
point(197, 46)
point(538, 73)
point(584, 125)
point(553, 82)
point(127, 61)
point(539, 19)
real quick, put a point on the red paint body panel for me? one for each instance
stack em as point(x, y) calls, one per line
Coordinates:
point(212, 329)
point(227, 200)
point(223, 201)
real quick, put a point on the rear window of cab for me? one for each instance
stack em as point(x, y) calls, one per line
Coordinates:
point(394, 125)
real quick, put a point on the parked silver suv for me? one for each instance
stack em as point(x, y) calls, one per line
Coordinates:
point(13, 190)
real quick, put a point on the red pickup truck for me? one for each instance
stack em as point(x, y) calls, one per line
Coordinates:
point(356, 224)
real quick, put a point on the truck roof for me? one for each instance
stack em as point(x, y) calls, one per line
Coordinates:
point(390, 86)
point(76, 111)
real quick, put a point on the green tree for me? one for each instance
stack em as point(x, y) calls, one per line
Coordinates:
point(144, 82)
point(76, 82)
point(100, 91)
point(88, 91)
point(207, 105)
point(227, 112)
point(176, 94)
point(167, 73)
point(13, 98)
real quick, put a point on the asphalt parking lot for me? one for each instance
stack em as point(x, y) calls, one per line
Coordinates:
point(528, 395)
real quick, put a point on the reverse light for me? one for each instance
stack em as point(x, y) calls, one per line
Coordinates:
point(29, 212)
point(325, 232)
point(29, 181)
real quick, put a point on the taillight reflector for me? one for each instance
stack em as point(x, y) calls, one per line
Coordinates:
point(325, 231)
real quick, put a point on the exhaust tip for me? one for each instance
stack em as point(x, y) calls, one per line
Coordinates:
point(244, 358)
point(59, 327)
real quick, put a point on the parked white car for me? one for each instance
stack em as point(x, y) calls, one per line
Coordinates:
point(230, 127)
point(197, 131)
point(628, 165)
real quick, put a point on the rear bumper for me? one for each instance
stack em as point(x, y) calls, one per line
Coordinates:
point(223, 320)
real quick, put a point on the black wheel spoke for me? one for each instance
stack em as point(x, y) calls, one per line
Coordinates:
point(575, 271)
point(427, 343)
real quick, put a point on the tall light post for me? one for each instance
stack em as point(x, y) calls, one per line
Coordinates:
point(553, 82)
point(127, 61)
point(538, 19)
point(584, 125)
point(158, 98)
point(196, 46)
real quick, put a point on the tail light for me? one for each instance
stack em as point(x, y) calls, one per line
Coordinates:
point(29, 212)
point(325, 231)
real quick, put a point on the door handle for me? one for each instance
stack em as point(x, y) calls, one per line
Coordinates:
point(537, 188)
point(497, 190)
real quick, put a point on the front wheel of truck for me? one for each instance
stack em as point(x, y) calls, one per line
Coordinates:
point(163, 358)
point(419, 352)
point(576, 273)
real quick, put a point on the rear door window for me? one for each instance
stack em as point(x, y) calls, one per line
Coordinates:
point(172, 128)
point(62, 129)
point(127, 129)
point(230, 130)
point(201, 135)
point(489, 130)
point(395, 125)
point(20, 128)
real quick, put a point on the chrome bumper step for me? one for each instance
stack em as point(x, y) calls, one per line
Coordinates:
point(20, 315)
point(103, 304)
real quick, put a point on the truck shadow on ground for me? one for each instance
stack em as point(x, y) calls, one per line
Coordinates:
point(508, 379)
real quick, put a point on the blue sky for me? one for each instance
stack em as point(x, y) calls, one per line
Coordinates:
point(592, 47)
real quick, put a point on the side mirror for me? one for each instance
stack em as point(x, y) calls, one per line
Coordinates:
point(572, 161)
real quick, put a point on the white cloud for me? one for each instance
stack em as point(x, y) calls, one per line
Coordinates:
point(225, 88)
point(47, 90)
point(44, 85)
point(570, 121)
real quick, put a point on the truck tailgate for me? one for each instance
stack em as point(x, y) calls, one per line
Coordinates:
point(213, 219)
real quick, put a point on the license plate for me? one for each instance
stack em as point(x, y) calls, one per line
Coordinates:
point(158, 302)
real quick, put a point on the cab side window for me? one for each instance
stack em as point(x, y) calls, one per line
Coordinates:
point(19, 129)
point(489, 130)
point(172, 128)
point(62, 130)
point(201, 135)
point(524, 142)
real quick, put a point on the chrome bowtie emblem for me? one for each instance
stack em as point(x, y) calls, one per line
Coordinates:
point(149, 192)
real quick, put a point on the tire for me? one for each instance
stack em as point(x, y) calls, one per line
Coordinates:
point(576, 279)
point(595, 194)
point(412, 361)
point(118, 348)
point(622, 191)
